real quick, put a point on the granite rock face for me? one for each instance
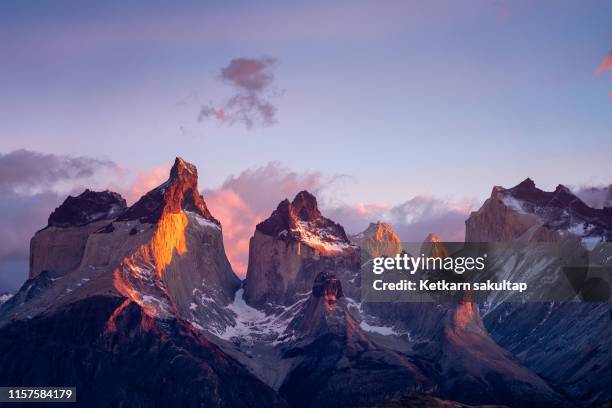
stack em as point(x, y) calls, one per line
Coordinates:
point(59, 247)
point(179, 193)
point(291, 247)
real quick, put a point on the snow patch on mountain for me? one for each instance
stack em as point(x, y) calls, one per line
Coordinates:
point(5, 297)
point(201, 220)
point(514, 203)
point(253, 325)
point(324, 238)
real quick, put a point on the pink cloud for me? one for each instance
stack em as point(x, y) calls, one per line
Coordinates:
point(238, 221)
point(133, 184)
point(605, 65)
point(245, 200)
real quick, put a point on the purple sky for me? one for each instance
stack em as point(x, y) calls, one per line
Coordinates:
point(382, 101)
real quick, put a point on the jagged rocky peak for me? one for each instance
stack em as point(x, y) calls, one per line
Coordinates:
point(305, 206)
point(527, 212)
point(179, 192)
point(87, 207)
point(379, 239)
point(300, 220)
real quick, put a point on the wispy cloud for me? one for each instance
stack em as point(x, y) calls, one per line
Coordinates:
point(605, 65)
point(413, 219)
point(596, 197)
point(250, 105)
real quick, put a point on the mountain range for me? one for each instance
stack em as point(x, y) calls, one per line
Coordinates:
point(139, 306)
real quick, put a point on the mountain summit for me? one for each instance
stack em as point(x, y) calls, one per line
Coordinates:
point(535, 215)
point(180, 192)
point(379, 239)
point(301, 221)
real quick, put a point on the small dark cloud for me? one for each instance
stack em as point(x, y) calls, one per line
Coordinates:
point(25, 170)
point(250, 105)
point(249, 74)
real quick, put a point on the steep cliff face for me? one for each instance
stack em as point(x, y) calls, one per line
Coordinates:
point(531, 214)
point(291, 247)
point(59, 247)
point(180, 265)
point(473, 369)
point(379, 239)
point(164, 253)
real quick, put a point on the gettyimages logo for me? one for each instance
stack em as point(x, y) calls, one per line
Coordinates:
point(411, 264)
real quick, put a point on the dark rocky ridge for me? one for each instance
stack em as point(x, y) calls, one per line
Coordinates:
point(140, 364)
point(89, 206)
point(303, 208)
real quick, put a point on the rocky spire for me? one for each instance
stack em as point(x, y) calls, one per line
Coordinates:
point(305, 206)
point(180, 192)
point(301, 220)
